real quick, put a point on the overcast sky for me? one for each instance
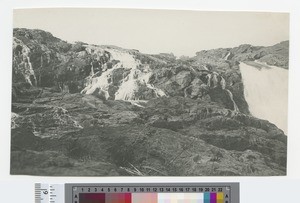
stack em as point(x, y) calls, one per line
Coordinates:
point(158, 31)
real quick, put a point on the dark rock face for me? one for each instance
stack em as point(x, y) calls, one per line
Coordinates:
point(83, 132)
point(90, 110)
point(225, 62)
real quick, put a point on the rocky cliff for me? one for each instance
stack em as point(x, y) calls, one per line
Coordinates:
point(105, 110)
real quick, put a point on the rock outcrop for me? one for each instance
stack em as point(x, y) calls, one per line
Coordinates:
point(104, 110)
point(22, 67)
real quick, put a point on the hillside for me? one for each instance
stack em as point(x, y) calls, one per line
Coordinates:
point(104, 110)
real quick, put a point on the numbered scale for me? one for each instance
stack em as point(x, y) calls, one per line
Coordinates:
point(137, 193)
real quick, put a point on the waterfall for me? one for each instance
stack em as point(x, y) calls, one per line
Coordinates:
point(214, 80)
point(28, 71)
point(158, 92)
point(228, 54)
point(21, 62)
point(266, 92)
point(235, 107)
point(92, 69)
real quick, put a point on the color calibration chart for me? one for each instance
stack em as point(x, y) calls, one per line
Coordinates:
point(137, 193)
point(153, 193)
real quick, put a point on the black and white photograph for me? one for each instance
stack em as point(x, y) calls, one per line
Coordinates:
point(140, 92)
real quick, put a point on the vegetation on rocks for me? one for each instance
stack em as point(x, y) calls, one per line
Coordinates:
point(181, 117)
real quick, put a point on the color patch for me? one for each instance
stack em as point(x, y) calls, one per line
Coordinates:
point(193, 198)
point(220, 197)
point(144, 198)
point(118, 198)
point(206, 197)
point(180, 198)
point(213, 197)
point(92, 198)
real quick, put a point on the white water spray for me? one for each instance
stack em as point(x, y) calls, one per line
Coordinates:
point(266, 92)
point(138, 75)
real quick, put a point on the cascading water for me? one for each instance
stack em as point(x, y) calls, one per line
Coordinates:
point(266, 92)
point(129, 85)
point(29, 72)
point(21, 62)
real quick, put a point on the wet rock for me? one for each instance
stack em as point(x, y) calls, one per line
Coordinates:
point(99, 93)
point(195, 127)
point(190, 112)
point(183, 78)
